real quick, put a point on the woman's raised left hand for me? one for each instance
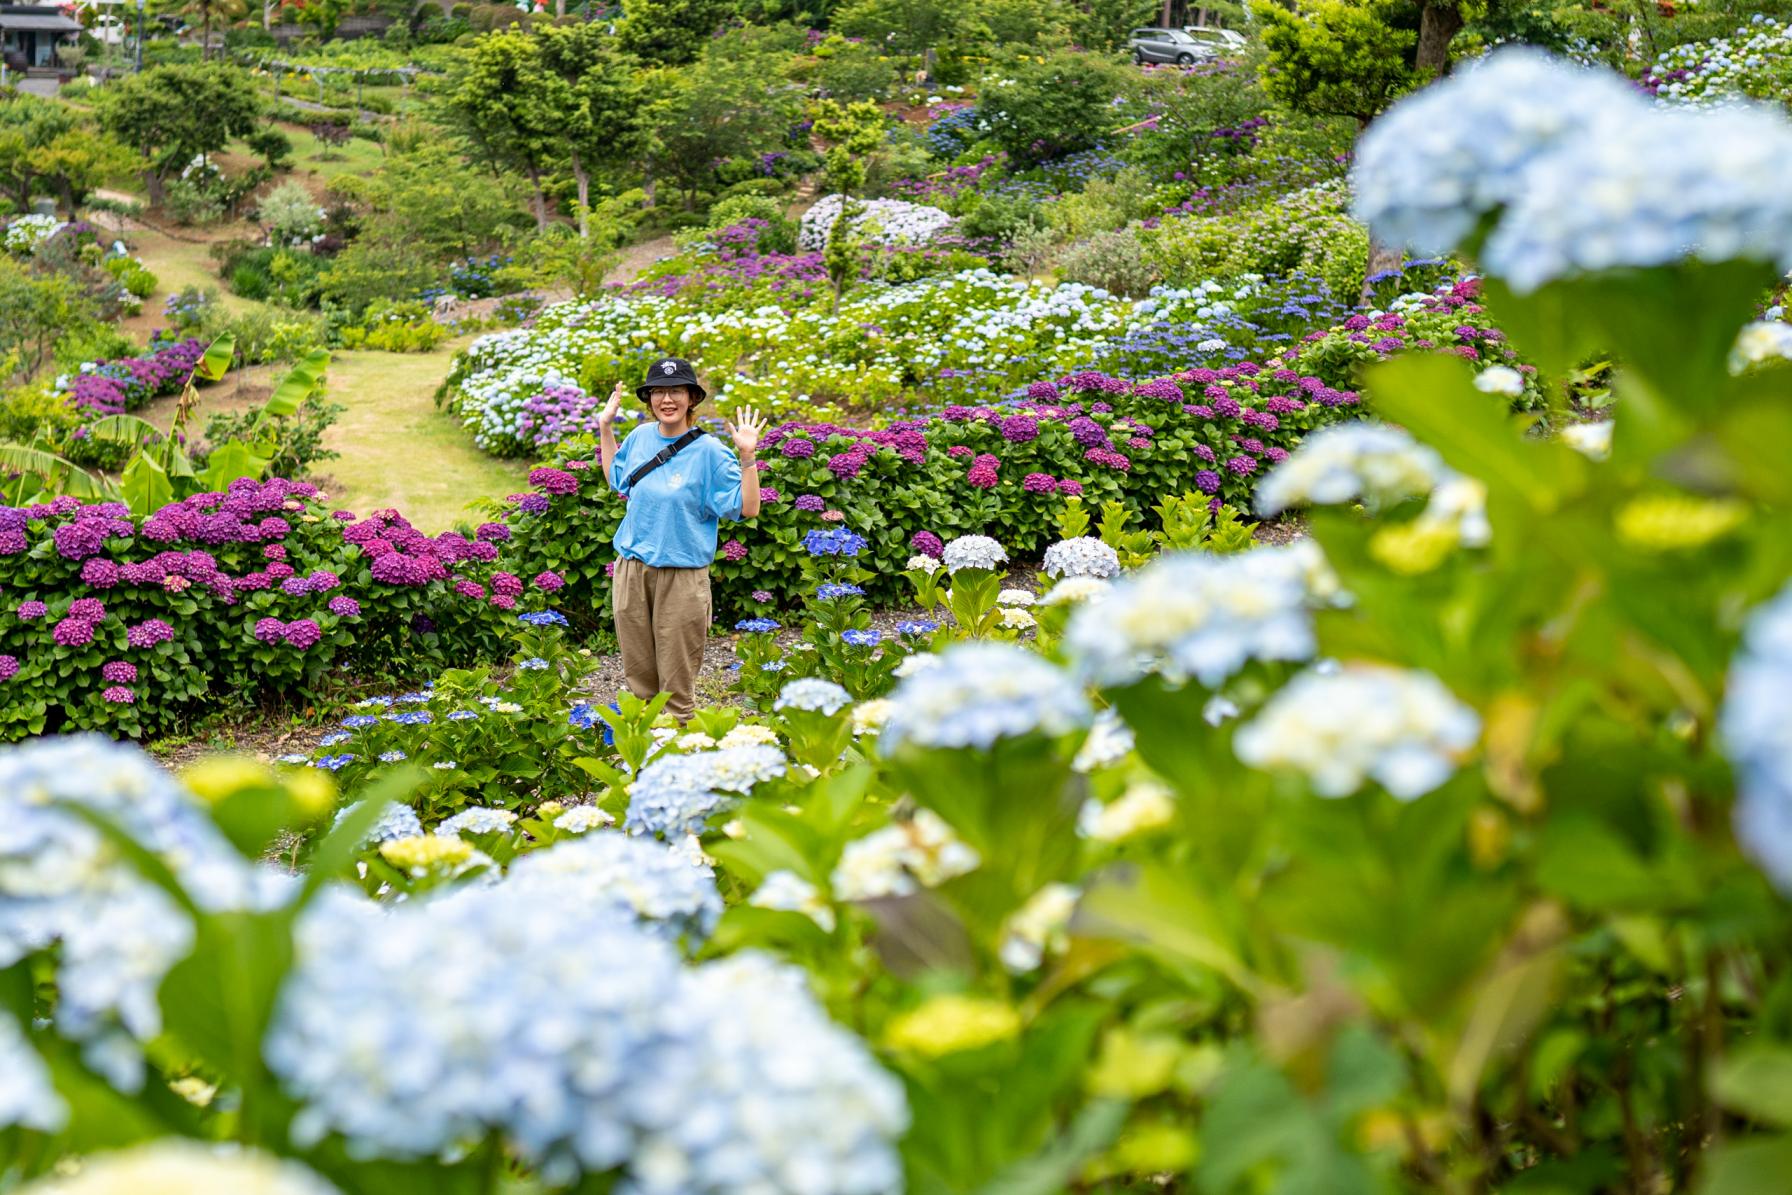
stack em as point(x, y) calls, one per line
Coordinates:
point(746, 433)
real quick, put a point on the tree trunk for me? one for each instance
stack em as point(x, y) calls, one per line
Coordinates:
point(205, 46)
point(541, 201)
point(1169, 5)
point(152, 183)
point(1438, 23)
point(582, 179)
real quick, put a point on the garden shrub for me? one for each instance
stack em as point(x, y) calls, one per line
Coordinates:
point(1114, 261)
point(296, 439)
point(394, 327)
point(291, 214)
point(1040, 109)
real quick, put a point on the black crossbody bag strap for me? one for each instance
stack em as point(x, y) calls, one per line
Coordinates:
point(663, 455)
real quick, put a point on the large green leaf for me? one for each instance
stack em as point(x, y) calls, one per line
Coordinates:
point(216, 362)
point(128, 429)
point(229, 461)
point(58, 474)
point(297, 386)
point(1756, 1081)
point(145, 485)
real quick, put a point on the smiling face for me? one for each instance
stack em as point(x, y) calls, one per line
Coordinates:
point(671, 405)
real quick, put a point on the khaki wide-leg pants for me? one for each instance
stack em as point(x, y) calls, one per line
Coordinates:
point(662, 619)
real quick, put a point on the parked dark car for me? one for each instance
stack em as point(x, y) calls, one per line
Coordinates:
point(1167, 45)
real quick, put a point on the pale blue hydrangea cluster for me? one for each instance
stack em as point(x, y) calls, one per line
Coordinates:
point(418, 1029)
point(1752, 62)
point(395, 821)
point(1582, 172)
point(644, 879)
point(1342, 727)
point(477, 820)
point(1197, 615)
point(1757, 733)
point(676, 795)
point(27, 1095)
point(1373, 463)
point(758, 1091)
point(814, 694)
point(60, 883)
point(982, 692)
point(1110, 741)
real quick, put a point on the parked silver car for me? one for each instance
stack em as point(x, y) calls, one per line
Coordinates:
point(1167, 45)
point(1223, 41)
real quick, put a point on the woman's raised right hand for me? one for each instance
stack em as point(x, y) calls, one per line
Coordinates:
point(612, 408)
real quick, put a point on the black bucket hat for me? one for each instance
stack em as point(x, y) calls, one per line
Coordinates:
point(671, 371)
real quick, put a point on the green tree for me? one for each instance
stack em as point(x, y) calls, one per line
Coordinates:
point(730, 104)
point(600, 104)
point(27, 126)
point(1335, 57)
point(433, 202)
point(208, 13)
point(510, 109)
point(1041, 109)
point(79, 162)
point(1107, 24)
point(905, 26)
point(37, 307)
point(168, 115)
point(671, 32)
point(852, 133)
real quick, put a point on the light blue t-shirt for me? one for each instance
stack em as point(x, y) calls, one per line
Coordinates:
point(673, 512)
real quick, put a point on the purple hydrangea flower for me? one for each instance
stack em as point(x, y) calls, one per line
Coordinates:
point(30, 611)
point(87, 609)
point(117, 695)
point(734, 550)
point(813, 503)
point(303, 633)
point(73, 632)
point(345, 607)
point(797, 447)
point(119, 672)
point(926, 543)
point(269, 630)
point(9, 667)
point(149, 633)
point(548, 581)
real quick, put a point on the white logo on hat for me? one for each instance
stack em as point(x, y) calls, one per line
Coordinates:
point(668, 367)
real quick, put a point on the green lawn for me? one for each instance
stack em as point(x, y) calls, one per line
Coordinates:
point(398, 450)
point(309, 155)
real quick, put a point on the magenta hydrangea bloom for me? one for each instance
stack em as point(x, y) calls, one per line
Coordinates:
point(1039, 483)
point(295, 586)
point(554, 481)
point(30, 611)
point(810, 502)
point(118, 672)
point(503, 601)
point(762, 596)
point(1043, 391)
point(87, 609)
point(470, 589)
point(797, 447)
point(274, 552)
point(492, 533)
point(149, 633)
point(9, 667)
point(303, 633)
point(1071, 487)
point(117, 695)
point(1207, 481)
point(610, 569)
point(101, 573)
point(508, 584)
point(345, 607)
point(983, 471)
point(736, 551)
point(73, 632)
point(767, 495)
point(959, 450)
point(269, 630)
point(926, 543)
point(1019, 429)
point(548, 581)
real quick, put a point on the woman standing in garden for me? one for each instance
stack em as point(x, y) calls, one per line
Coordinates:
point(679, 483)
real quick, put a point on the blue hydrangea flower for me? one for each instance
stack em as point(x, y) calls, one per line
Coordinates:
point(335, 763)
point(334, 737)
point(917, 627)
point(838, 589)
point(413, 718)
point(862, 638)
point(1757, 731)
point(981, 692)
point(757, 626)
point(835, 541)
point(463, 715)
point(532, 664)
point(393, 756)
point(773, 666)
point(356, 721)
point(676, 795)
point(813, 693)
point(543, 618)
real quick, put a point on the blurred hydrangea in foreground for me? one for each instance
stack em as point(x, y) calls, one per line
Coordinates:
point(1757, 732)
point(1580, 171)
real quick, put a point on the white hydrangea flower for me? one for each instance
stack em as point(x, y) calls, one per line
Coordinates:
point(395, 821)
point(1039, 927)
point(581, 819)
point(1373, 462)
point(677, 794)
point(476, 821)
point(1763, 340)
point(915, 664)
point(749, 734)
point(869, 716)
point(1074, 589)
point(1361, 722)
point(982, 692)
point(922, 563)
point(814, 694)
point(1592, 440)
point(1197, 615)
point(973, 551)
point(176, 1166)
point(1083, 556)
point(1145, 805)
point(1500, 379)
point(1016, 597)
point(696, 740)
point(1014, 618)
point(787, 891)
point(880, 221)
point(901, 859)
point(1109, 742)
